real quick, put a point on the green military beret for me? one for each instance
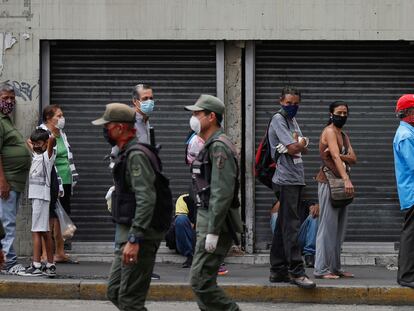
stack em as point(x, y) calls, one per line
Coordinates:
point(207, 102)
point(116, 112)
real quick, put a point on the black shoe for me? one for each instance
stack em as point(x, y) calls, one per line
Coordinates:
point(188, 262)
point(303, 282)
point(155, 276)
point(279, 277)
point(309, 261)
point(406, 284)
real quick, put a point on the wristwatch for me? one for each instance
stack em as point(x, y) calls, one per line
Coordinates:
point(133, 239)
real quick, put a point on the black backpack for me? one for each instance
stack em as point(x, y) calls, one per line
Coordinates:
point(163, 212)
point(265, 167)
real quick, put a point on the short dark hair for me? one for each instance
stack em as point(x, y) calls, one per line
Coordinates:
point(49, 112)
point(39, 134)
point(6, 88)
point(290, 90)
point(219, 116)
point(139, 86)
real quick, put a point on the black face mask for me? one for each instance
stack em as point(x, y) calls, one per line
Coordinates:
point(38, 150)
point(107, 138)
point(338, 121)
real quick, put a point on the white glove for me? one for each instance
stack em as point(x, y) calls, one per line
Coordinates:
point(300, 138)
point(211, 242)
point(281, 148)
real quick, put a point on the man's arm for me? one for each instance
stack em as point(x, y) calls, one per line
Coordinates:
point(142, 183)
point(142, 179)
point(280, 128)
point(4, 185)
point(223, 177)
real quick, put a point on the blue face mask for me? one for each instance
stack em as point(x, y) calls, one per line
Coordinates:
point(291, 110)
point(147, 106)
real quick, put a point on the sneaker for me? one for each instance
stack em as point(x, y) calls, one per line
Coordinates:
point(303, 282)
point(309, 261)
point(279, 277)
point(32, 271)
point(188, 262)
point(155, 276)
point(17, 269)
point(222, 270)
point(49, 272)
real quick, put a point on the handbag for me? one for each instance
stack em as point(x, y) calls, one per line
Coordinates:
point(339, 198)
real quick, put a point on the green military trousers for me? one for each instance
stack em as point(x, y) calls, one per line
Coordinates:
point(210, 297)
point(128, 285)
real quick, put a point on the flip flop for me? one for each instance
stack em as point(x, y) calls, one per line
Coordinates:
point(68, 261)
point(329, 276)
point(345, 274)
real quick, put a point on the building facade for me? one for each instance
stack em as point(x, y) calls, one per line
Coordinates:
point(84, 54)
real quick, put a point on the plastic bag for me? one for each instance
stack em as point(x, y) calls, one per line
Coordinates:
point(67, 227)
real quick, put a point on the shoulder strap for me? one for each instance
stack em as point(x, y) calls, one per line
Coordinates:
point(345, 140)
point(149, 153)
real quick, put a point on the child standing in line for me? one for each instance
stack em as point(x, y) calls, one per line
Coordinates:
point(39, 191)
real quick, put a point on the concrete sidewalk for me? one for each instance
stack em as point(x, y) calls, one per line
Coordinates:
point(87, 280)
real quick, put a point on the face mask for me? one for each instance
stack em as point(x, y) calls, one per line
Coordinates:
point(110, 141)
point(6, 107)
point(147, 106)
point(409, 119)
point(39, 150)
point(195, 124)
point(338, 121)
point(61, 123)
point(291, 110)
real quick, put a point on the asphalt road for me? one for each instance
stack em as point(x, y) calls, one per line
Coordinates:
point(92, 305)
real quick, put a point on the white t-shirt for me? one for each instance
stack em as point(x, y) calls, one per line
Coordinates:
point(40, 175)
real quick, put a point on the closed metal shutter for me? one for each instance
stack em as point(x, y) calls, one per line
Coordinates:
point(86, 75)
point(370, 77)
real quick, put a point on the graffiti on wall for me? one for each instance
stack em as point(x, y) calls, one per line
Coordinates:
point(22, 89)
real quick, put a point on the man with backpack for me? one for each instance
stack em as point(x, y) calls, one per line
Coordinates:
point(139, 225)
point(215, 192)
point(287, 145)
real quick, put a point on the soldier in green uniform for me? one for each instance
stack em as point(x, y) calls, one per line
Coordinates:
point(215, 191)
point(136, 240)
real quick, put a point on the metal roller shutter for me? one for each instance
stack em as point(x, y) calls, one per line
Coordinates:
point(86, 75)
point(369, 76)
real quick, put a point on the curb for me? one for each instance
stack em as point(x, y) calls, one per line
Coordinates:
point(96, 290)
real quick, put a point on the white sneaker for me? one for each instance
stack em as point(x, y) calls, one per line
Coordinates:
point(17, 269)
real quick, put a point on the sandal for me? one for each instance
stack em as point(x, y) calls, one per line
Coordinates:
point(329, 276)
point(345, 274)
point(67, 260)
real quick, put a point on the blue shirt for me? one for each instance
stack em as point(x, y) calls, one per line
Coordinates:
point(403, 146)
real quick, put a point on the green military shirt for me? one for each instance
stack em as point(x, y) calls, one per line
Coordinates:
point(222, 186)
point(140, 178)
point(15, 157)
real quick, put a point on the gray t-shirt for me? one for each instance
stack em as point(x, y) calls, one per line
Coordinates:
point(289, 169)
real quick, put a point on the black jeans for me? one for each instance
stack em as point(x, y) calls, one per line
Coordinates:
point(285, 254)
point(406, 253)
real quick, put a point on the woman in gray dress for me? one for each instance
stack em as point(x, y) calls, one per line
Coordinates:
point(337, 154)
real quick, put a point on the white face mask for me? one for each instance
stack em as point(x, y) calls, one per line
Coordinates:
point(61, 123)
point(195, 124)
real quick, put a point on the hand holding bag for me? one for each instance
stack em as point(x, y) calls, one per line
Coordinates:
point(339, 198)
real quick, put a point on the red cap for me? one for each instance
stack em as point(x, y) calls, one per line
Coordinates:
point(406, 101)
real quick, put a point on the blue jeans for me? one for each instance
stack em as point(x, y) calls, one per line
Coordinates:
point(184, 235)
point(307, 233)
point(8, 213)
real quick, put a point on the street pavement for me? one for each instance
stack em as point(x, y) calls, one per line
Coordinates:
point(248, 283)
point(93, 305)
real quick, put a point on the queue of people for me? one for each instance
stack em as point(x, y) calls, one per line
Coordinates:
point(213, 161)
